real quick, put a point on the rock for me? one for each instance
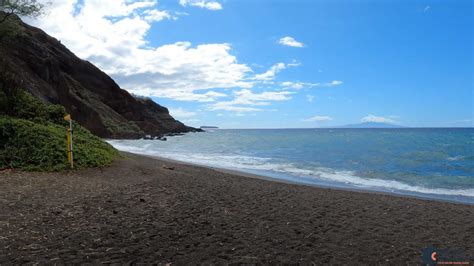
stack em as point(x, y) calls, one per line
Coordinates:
point(56, 212)
point(162, 138)
point(174, 134)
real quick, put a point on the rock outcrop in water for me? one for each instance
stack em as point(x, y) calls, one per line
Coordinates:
point(47, 69)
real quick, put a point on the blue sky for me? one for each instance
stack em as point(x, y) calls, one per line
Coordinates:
point(272, 64)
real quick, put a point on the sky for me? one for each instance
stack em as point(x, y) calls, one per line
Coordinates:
point(281, 63)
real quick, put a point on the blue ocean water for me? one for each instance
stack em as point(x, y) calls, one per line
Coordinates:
point(432, 163)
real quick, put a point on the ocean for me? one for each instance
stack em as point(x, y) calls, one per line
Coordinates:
point(429, 163)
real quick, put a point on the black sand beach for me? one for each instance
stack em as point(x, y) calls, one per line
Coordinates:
point(137, 210)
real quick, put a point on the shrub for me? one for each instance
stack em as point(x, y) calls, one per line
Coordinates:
point(42, 146)
point(20, 104)
point(33, 136)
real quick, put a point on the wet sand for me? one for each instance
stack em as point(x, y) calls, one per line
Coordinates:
point(150, 210)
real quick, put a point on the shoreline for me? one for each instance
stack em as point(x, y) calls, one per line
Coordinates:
point(275, 179)
point(148, 210)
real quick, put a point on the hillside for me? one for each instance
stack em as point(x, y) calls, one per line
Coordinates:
point(49, 71)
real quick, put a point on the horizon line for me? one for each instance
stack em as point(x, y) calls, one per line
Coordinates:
point(342, 127)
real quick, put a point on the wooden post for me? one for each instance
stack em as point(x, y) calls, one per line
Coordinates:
point(70, 154)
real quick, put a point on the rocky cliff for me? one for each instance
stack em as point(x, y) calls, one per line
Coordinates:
point(47, 69)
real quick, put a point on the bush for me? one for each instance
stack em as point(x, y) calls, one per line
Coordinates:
point(33, 146)
point(19, 104)
point(33, 136)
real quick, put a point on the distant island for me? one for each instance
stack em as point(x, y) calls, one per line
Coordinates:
point(371, 125)
point(209, 127)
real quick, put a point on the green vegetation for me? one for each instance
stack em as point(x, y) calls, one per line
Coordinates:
point(10, 30)
point(30, 8)
point(42, 146)
point(33, 135)
point(10, 10)
point(122, 128)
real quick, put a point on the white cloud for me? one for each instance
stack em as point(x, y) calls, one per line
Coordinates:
point(190, 121)
point(426, 8)
point(111, 34)
point(275, 69)
point(290, 41)
point(310, 98)
point(377, 119)
point(271, 73)
point(211, 5)
point(225, 106)
point(298, 85)
point(294, 63)
point(246, 96)
point(304, 85)
point(181, 95)
point(157, 15)
point(180, 113)
point(318, 118)
point(333, 83)
point(245, 101)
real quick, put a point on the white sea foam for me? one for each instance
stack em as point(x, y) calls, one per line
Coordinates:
point(456, 158)
point(316, 175)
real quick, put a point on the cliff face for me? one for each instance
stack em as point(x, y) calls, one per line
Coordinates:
point(47, 69)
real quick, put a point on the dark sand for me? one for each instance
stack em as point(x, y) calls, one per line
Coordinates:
point(138, 211)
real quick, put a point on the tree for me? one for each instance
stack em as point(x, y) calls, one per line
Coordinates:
point(19, 7)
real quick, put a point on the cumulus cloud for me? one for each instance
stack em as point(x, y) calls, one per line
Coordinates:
point(318, 118)
point(246, 96)
point(290, 41)
point(377, 119)
point(181, 95)
point(111, 34)
point(245, 101)
point(157, 15)
point(180, 113)
point(271, 73)
point(180, 66)
point(211, 5)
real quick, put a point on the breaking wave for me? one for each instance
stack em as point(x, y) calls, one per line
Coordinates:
point(291, 172)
